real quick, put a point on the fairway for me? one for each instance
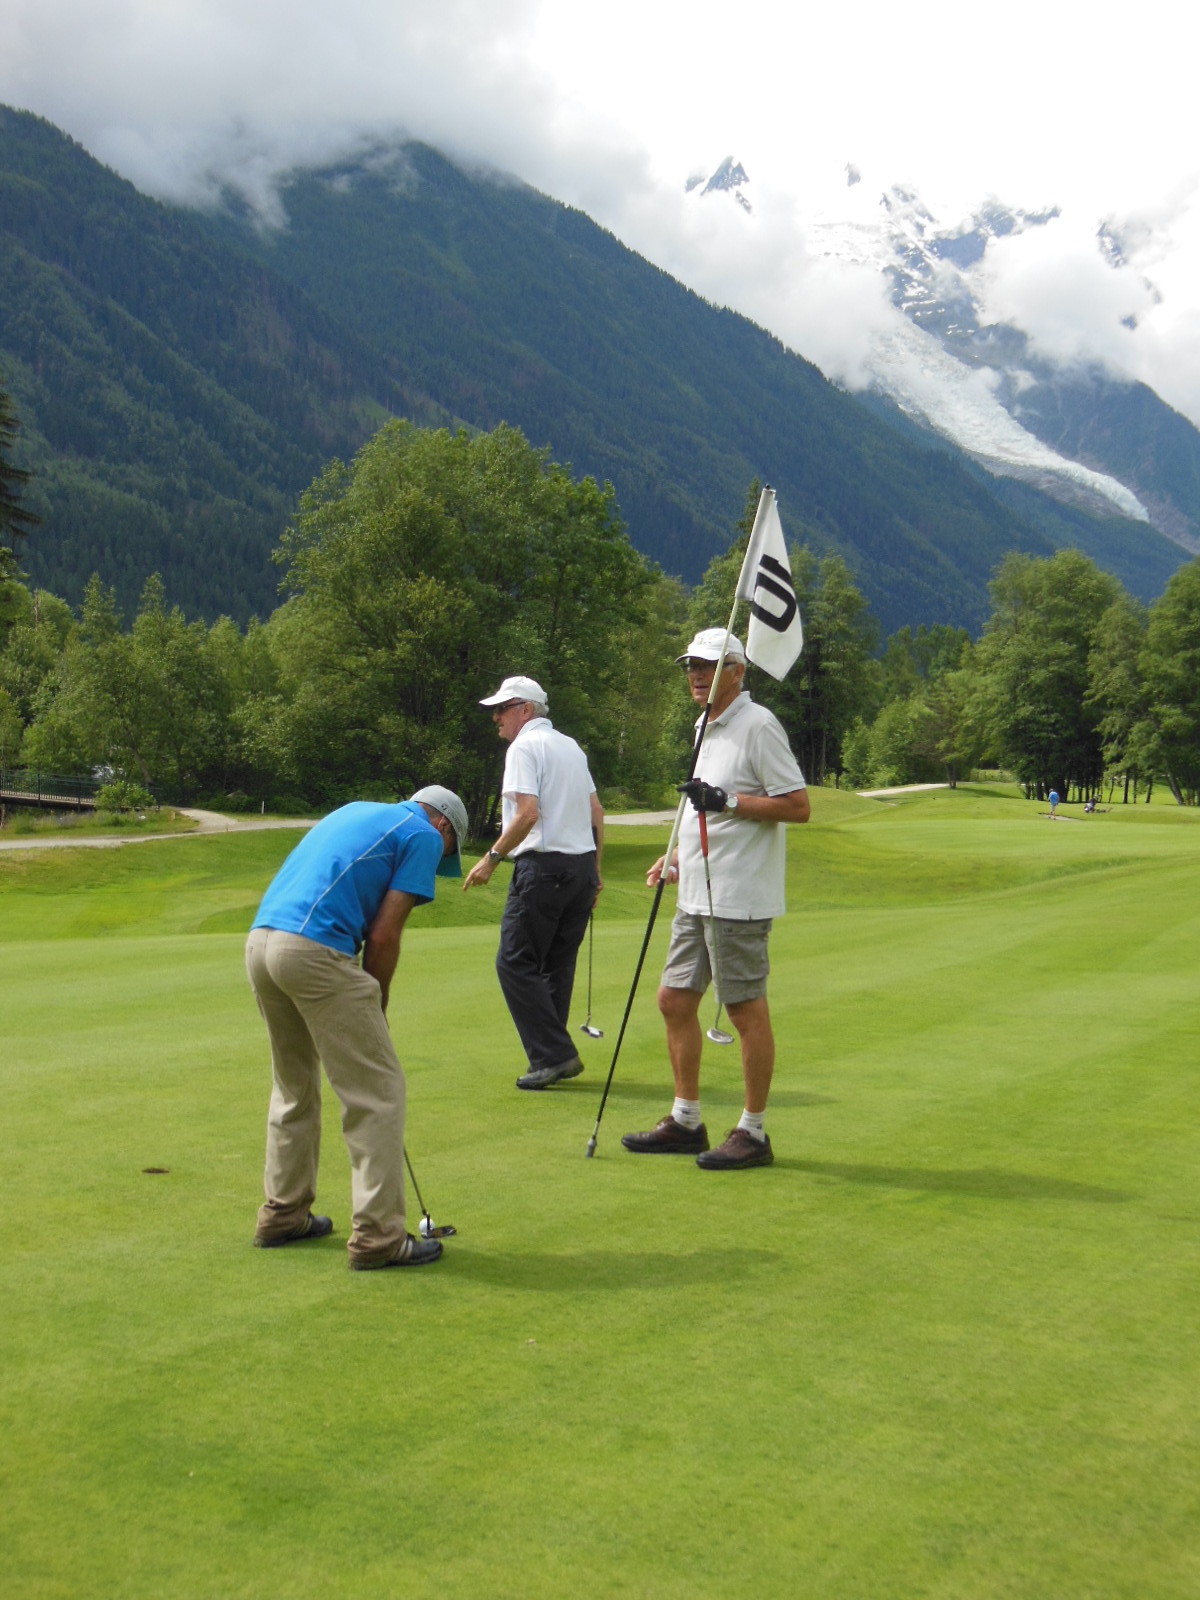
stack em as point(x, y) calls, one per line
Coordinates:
point(944, 1347)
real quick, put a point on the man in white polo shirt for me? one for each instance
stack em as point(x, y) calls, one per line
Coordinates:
point(553, 829)
point(749, 785)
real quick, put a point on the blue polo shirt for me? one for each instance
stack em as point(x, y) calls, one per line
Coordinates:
point(333, 883)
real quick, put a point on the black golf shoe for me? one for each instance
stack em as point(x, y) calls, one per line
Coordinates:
point(311, 1228)
point(668, 1138)
point(543, 1077)
point(413, 1252)
point(741, 1149)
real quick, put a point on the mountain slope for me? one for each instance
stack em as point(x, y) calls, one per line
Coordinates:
point(502, 303)
point(182, 378)
point(175, 397)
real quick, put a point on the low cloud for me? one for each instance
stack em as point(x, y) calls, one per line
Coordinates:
point(1117, 293)
point(187, 98)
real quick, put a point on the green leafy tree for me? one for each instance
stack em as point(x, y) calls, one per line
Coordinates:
point(1034, 661)
point(911, 660)
point(1117, 690)
point(423, 573)
point(646, 753)
point(900, 737)
point(856, 756)
point(1170, 663)
point(40, 625)
point(11, 730)
point(155, 703)
point(958, 734)
point(928, 733)
point(121, 797)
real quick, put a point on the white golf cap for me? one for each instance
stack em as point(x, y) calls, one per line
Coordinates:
point(452, 808)
point(706, 646)
point(518, 689)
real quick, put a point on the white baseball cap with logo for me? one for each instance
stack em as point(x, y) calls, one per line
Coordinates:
point(706, 646)
point(519, 689)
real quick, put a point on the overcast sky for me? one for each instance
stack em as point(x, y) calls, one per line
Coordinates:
point(611, 107)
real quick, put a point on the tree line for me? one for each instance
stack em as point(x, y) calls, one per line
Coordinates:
point(416, 577)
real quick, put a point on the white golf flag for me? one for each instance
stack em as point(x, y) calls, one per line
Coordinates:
point(776, 635)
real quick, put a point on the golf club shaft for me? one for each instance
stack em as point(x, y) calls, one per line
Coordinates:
point(658, 894)
point(712, 920)
point(591, 942)
point(416, 1186)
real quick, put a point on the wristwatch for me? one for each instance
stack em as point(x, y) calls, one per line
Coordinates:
point(731, 802)
point(494, 855)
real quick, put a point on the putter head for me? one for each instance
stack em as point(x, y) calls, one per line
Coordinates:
point(591, 1030)
point(719, 1036)
point(427, 1229)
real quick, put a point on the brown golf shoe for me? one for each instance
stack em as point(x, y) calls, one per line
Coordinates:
point(668, 1138)
point(311, 1228)
point(741, 1149)
point(412, 1252)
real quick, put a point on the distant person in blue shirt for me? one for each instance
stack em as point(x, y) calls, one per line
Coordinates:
point(349, 885)
point(1053, 803)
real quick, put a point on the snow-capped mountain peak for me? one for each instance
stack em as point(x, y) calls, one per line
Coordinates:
point(729, 178)
point(957, 368)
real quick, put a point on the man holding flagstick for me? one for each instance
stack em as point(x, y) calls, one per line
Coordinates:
point(749, 787)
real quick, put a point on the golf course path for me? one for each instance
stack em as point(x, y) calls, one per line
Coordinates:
point(637, 819)
point(903, 788)
point(217, 822)
point(208, 822)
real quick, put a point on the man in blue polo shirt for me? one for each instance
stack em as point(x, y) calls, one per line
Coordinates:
point(348, 886)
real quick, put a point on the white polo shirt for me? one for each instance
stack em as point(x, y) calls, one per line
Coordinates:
point(745, 751)
point(543, 762)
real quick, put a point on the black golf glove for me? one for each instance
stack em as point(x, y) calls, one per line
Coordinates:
point(704, 796)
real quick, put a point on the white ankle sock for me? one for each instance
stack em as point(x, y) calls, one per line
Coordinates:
point(686, 1113)
point(752, 1123)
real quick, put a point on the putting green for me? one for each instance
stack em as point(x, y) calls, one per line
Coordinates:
point(944, 1347)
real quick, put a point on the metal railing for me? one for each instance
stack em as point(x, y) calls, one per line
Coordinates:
point(27, 786)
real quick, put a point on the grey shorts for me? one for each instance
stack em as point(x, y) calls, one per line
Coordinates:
point(742, 961)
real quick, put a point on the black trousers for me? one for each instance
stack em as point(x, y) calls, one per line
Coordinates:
point(545, 918)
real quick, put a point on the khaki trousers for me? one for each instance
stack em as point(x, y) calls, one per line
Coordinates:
point(321, 1007)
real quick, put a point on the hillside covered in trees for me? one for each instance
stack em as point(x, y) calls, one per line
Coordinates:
point(438, 562)
point(182, 378)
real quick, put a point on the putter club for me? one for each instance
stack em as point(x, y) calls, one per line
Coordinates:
point(588, 1027)
point(715, 1033)
point(427, 1229)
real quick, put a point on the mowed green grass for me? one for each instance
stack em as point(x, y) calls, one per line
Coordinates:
point(945, 1347)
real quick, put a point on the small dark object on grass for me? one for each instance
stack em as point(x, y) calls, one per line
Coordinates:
point(156, 1169)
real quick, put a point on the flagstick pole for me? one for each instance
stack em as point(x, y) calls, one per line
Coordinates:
point(666, 867)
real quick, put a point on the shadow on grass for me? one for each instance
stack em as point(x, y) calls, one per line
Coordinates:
point(988, 1183)
point(604, 1270)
